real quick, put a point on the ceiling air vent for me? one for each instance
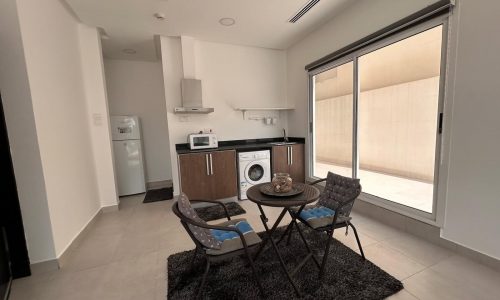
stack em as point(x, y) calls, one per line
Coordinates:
point(303, 11)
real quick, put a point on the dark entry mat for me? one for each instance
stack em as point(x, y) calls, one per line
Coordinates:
point(159, 195)
point(216, 212)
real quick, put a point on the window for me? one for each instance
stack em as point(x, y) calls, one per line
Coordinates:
point(375, 116)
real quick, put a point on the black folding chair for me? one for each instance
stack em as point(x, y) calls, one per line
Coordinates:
point(207, 238)
point(330, 212)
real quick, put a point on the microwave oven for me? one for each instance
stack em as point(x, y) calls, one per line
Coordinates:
point(202, 141)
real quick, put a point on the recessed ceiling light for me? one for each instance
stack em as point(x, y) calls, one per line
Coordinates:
point(159, 16)
point(227, 21)
point(129, 51)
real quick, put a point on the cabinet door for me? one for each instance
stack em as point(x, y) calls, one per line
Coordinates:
point(297, 167)
point(280, 159)
point(224, 173)
point(196, 181)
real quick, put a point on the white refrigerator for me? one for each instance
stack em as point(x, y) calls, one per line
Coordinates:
point(127, 147)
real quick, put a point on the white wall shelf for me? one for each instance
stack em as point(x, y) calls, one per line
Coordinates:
point(245, 109)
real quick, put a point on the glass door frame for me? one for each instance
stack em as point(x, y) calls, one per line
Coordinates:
point(439, 193)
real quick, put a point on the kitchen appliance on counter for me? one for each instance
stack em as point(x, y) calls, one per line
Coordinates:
point(253, 168)
point(202, 141)
point(127, 147)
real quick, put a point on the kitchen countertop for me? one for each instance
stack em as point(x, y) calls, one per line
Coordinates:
point(240, 145)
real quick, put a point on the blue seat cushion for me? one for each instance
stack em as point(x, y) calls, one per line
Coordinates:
point(319, 216)
point(230, 240)
point(222, 235)
point(316, 212)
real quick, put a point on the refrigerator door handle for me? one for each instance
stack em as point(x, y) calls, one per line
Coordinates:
point(206, 160)
point(291, 155)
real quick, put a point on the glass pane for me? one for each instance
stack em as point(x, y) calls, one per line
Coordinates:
point(333, 121)
point(397, 119)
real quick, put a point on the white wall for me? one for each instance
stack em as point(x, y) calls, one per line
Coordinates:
point(18, 109)
point(473, 205)
point(232, 76)
point(98, 113)
point(51, 42)
point(136, 88)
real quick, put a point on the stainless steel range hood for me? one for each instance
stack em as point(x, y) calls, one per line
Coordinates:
point(192, 98)
point(191, 88)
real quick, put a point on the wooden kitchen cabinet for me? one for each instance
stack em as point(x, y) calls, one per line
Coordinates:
point(224, 172)
point(289, 159)
point(209, 175)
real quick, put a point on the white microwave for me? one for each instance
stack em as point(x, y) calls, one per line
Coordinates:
point(202, 141)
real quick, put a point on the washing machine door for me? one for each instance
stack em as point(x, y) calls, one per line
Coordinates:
point(257, 172)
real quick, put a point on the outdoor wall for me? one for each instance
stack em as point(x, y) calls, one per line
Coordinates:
point(397, 129)
point(232, 76)
point(136, 88)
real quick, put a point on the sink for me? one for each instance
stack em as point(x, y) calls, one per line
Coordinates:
point(282, 143)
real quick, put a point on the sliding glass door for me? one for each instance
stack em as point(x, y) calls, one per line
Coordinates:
point(377, 117)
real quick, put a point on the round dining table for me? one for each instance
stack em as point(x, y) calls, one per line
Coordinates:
point(293, 205)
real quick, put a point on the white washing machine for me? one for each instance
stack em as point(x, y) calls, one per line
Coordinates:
point(253, 168)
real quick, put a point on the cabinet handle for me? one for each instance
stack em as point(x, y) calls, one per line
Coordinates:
point(206, 160)
point(211, 166)
point(288, 155)
point(291, 155)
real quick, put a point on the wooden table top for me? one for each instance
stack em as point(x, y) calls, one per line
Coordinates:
point(309, 195)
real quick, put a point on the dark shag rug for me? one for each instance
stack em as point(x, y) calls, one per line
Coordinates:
point(215, 212)
point(159, 195)
point(347, 276)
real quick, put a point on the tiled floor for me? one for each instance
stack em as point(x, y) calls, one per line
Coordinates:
point(412, 193)
point(124, 257)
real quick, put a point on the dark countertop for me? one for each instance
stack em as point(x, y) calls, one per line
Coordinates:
point(239, 145)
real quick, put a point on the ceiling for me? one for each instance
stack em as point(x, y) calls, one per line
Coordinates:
point(261, 23)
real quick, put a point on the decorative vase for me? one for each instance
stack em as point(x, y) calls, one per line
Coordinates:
point(282, 182)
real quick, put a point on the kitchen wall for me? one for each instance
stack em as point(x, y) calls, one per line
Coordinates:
point(232, 76)
point(136, 88)
point(25, 150)
point(470, 149)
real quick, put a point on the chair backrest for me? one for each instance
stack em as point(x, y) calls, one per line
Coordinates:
point(338, 191)
point(183, 209)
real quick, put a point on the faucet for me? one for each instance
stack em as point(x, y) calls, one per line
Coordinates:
point(285, 138)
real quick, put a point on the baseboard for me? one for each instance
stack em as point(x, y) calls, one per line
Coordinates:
point(159, 184)
point(44, 266)
point(110, 208)
point(422, 230)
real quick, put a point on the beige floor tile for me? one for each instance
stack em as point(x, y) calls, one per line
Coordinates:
point(419, 250)
point(402, 295)
point(392, 261)
point(377, 230)
point(485, 282)
point(430, 285)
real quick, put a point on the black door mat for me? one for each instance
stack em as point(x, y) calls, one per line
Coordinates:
point(216, 212)
point(159, 195)
point(347, 275)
